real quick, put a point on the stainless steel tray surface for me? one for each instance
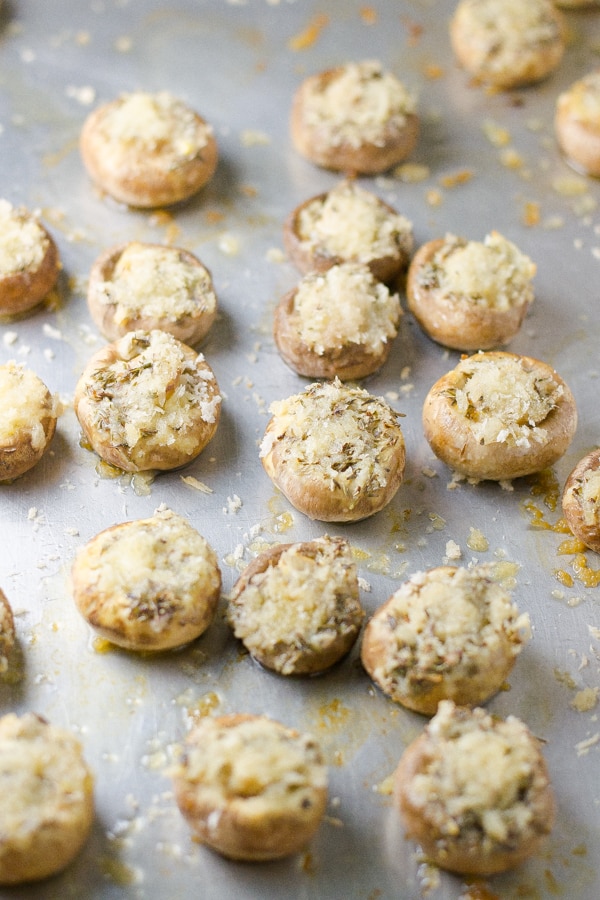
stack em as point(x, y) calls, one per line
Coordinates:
point(484, 161)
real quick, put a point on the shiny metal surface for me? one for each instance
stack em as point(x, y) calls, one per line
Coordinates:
point(491, 163)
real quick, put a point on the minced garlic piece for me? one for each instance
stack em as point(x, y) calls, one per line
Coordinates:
point(304, 602)
point(23, 243)
point(24, 404)
point(338, 434)
point(153, 122)
point(345, 305)
point(492, 273)
point(359, 104)
point(353, 223)
point(156, 281)
point(503, 401)
point(479, 774)
point(257, 762)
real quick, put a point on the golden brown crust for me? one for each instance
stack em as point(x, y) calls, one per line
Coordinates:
point(115, 313)
point(471, 841)
point(326, 142)
point(314, 255)
point(23, 289)
point(508, 45)
point(336, 452)
point(250, 788)
point(151, 584)
point(130, 412)
point(48, 805)
point(454, 320)
point(581, 500)
point(28, 416)
point(577, 124)
point(139, 168)
point(346, 353)
point(306, 617)
point(447, 633)
point(492, 436)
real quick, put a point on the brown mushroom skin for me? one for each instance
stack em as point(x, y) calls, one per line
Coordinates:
point(367, 158)
point(349, 362)
point(455, 322)
point(453, 442)
point(384, 268)
point(459, 854)
point(189, 329)
point(22, 292)
point(588, 532)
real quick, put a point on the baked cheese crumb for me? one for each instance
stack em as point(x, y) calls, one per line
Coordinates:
point(448, 620)
point(303, 602)
point(257, 762)
point(345, 305)
point(23, 243)
point(582, 100)
point(359, 104)
point(158, 282)
point(24, 405)
point(492, 273)
point(153, 123)
point(337, 433)
point(151, 390)
point(504, 401)
point(354, 224)
point(478, 776)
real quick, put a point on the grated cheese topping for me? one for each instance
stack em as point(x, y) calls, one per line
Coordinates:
point(156, 281)
point(345, 305)
point(150, 570)
point(151, 392)
point(303, 601)
point(7, 631)
point(480, 775)
point(450, 621)
point(43, 778)
point(25, 404)
point(257, 763)
point(23, 242)
point(501, 31)
point(588, 492)
point(336, 433)
point(354, 224)
point(360, 104)
point(504, 400)
point(153, 123)
point(492, 273)
point(582, 100)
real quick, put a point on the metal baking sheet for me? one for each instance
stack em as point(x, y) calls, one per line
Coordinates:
point(485, 161)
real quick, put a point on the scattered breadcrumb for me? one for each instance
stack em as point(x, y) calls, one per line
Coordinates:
point(586, 745)
point(195, 483)
point(586, 699)
point(453, 550)
point(233, 505)
point(253, 138)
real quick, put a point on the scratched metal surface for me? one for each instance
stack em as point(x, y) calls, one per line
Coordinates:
point(238, 64)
